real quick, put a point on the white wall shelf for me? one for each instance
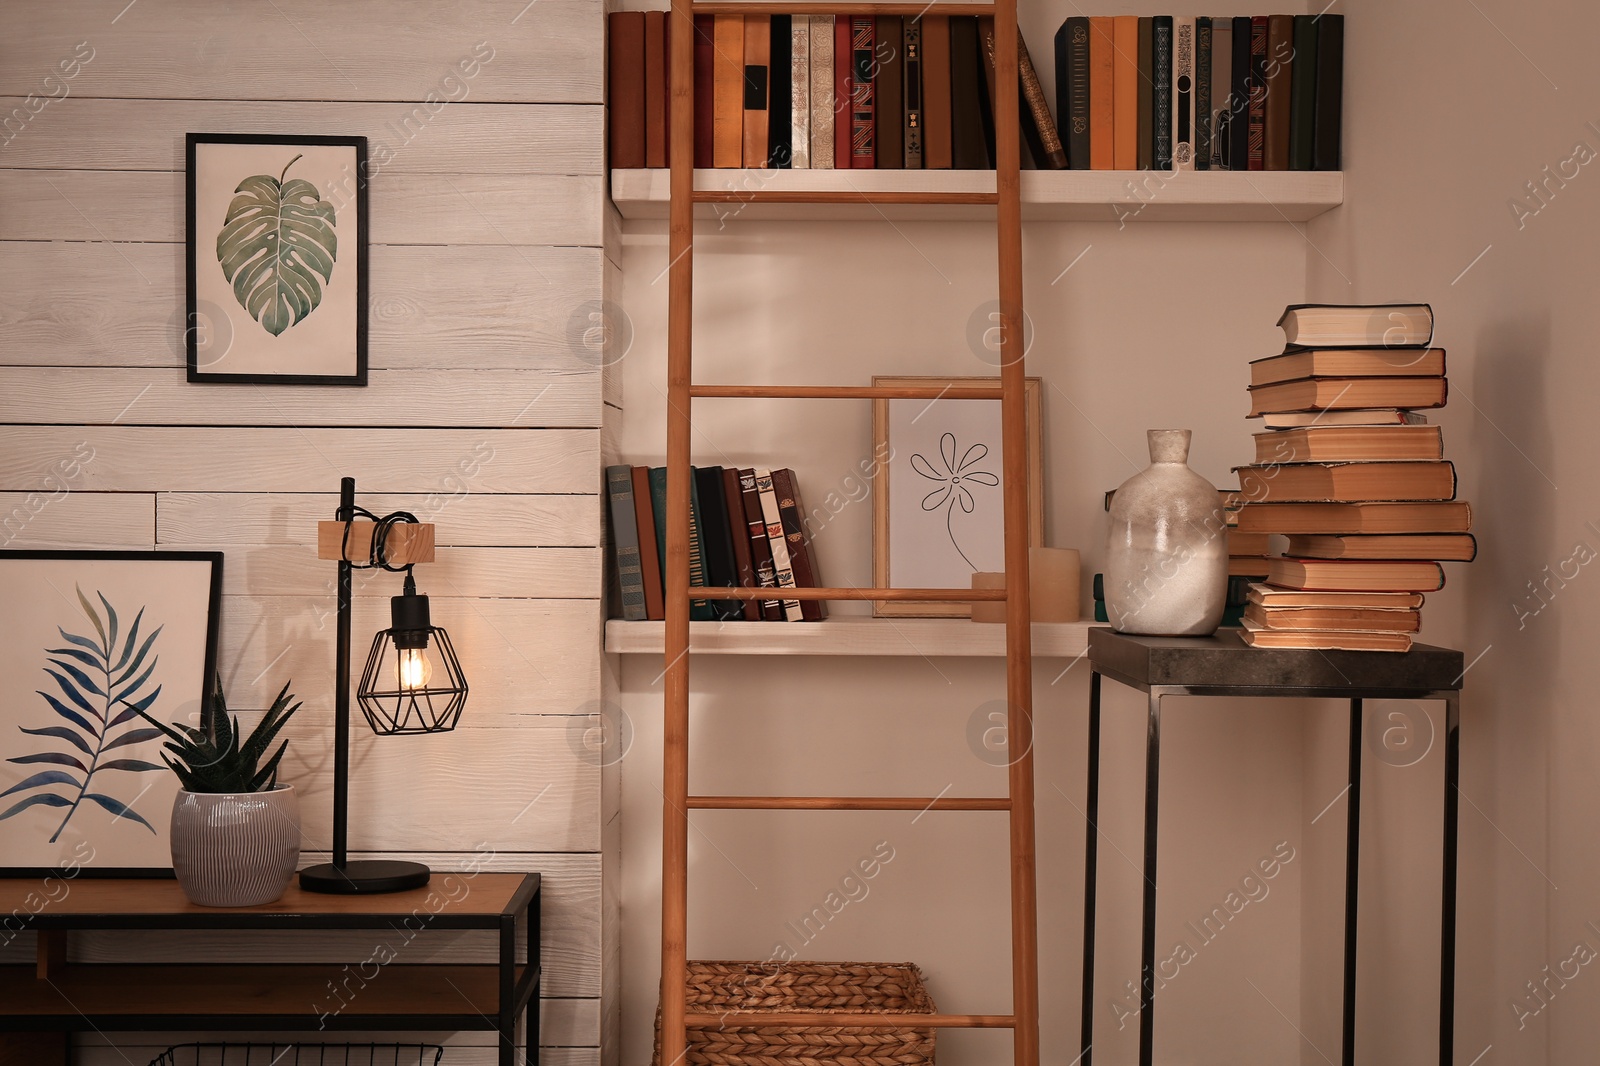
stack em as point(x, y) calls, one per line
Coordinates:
point(1047, 195)
point(851, 636)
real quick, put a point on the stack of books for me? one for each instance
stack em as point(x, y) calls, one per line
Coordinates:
point(1350, 471)
point(747, 528)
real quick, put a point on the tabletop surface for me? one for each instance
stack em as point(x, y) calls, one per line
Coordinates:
point(1225, 661)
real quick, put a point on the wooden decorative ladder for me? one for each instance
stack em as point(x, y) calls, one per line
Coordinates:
point(681, 391)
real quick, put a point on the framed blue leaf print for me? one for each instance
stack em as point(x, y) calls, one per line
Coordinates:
point(85, 638)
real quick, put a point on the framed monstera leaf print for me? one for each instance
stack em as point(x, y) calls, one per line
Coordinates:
point(277, 244)
point(86, 637)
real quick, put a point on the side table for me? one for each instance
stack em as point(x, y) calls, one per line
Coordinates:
point(1223, 665)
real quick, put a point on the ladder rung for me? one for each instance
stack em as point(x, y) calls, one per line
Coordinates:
point(722, 7)
point(848, 803)
point(832, 196)
point(829, 392)
point(832, 1019)
point(768, 593)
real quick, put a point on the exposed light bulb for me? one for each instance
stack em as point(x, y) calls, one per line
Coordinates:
point(414, 668)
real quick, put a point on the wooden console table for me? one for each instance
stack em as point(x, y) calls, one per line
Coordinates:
point(55, 997)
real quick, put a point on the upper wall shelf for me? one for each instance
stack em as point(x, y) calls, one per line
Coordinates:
point(1047, 195)
point(851, 636)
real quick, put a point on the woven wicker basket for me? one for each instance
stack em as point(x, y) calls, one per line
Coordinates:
point(751, 988)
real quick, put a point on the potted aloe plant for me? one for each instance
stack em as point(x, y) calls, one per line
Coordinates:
point(235, 830)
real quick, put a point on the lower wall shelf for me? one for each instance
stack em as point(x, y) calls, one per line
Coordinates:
point(851, 636)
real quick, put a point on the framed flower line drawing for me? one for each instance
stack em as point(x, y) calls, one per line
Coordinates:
point(277, 259)
point(937, 511)
point(87, 636)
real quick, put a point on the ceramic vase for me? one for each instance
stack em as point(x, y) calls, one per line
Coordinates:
point(235, 849)
point(1167, 553)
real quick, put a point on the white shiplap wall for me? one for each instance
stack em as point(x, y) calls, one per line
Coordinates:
point(488, 232)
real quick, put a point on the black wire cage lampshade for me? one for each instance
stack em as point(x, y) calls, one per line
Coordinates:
point(413, 681)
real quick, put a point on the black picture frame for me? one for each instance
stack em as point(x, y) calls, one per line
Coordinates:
point(215, 329)
point(132, 853)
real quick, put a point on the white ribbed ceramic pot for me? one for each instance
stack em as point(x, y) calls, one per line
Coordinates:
point(235, 849)
point(1167, 552)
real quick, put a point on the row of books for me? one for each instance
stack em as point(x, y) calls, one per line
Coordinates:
point(1351, 472)
point(746, 530)
point(888, 92)
point(1161, 93)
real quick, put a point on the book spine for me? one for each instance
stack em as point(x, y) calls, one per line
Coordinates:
point(1050, 154)
point(1072, 89)
point(966, 95)
point(1239, 96)
point(800, 92)
point(1303, 95)
point(705, 53)
point(938, 114)
point(1202, 93)
point(1146, 94)
point(625, 76)
point(863, 94)
point(649, 553)
point(1102, 93)
point(911, 68)
point(1258, 92)
point(783, 568)
point(666, 91)
point(727, 113)
point(888, 106)
point(1125, 93)
point(792, 512)
point(843, 93)
point(1161, 92)
point(721, 562)
point(655, 89)
point(626, 573)
point(1329, 92)
point(1221, 86)
point(986, 97)
point(760, 547)
point(699, 610)
point(744, 571)
point(822, 130)
point(780, 95)
point(1183, 93)
point(1280, 83)
point(757, 75)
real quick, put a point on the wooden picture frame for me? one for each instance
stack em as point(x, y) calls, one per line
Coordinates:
point(82, 783)
point(943, 569)
point(257, 314)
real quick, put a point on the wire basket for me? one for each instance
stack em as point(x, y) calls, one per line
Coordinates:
point(299, 1054)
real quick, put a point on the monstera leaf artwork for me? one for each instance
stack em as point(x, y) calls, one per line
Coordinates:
point(277, 239)
point(97, 683)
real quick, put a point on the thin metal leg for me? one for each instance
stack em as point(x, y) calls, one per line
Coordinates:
point(1091, 839)
point(1352, 882)
point(1447, 945)
point(1147, 937)
point(506, 1018)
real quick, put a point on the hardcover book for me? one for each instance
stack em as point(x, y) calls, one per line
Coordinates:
point(626, 575)
point(757, 77)
point(1125, 92)
point(727, 108)
point(1335, 575)
point(1330, 92)
point(760, 546)
point(888, 105)
point(968, 148)
point(739, 534)
point(625, 74)
point(781, 563)
point(1450, 516)
point(1347, 363)
point(1221, 91)
point(1161, 92)
point(822, 84)
point(1183, 87)
point(1258, 91)
point(1072, 89)
point(1357, 325)
point(1102, 93)
point(1353, 444)
point(1044, 140)
point(780, 95)
point(1315, 394)
point(1146, 95)
point(1239, 94)
point(699, 610)
point(655, 89)
point(720, 563)
point(1202, 93)
point(800, 92)
point(1303, 95)
point(1348, 482)
point(1445, 547)
point(863, 92)
point(705, 52)
point(911, 67)
point(938, 108)
point(649, 553)
point(801, 559)
point(843, 93)
point(1280, 81)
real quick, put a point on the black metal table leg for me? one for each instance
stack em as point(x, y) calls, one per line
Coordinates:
point(1091, 839)
point(1447, 939)
point(1352, 881)
point(506, 1015)
point(1147, 936)
point(535, 946)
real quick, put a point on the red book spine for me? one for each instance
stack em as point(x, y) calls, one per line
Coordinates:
point(863, 66)
point(625, 76)
point(705, 56)
point(655, 89)
point(739, 532)
point(843, 85)
point(760, 547)
point(801, 561)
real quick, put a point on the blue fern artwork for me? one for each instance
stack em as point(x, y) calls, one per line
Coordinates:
point(98, 683)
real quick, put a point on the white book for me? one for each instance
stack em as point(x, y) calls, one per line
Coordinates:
point(821, 92)
point(770, 514)
point(800, 98)
point(1183, 94)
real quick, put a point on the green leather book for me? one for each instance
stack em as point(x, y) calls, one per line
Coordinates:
point(699, 610)
point(1303, 95)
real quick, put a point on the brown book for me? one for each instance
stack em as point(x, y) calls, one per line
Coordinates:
point(843, 93)
point(1351, 575)
point(1102, 90)
point(739, 533)
point(823, 124)
point(757, 80)
point(1317, 394)
point(1443, 547)
point(889, 112)
point(1280, 72)
point(801, 558)
point(1247, 565)
point(655, 608)
point(625, 88)
point(1326, 641)
point(1347, 482)
point(1146, 94)
point(863, 92)
point(936, 103)
point(989, 108)
point(1125, 93)
point(727, 109)
point(1383, 416)
point(1248, 543)
point(1347, 363)
point(1044, 139)
point(1357, 325)
point(760, 546)
point(1445, 516)
point(655, 88)
point(1376, 601)
point(1347, 619)
point(1335, 444)
point(705, 52)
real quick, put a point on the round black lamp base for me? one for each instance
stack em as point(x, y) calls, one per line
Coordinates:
point(364, 877)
